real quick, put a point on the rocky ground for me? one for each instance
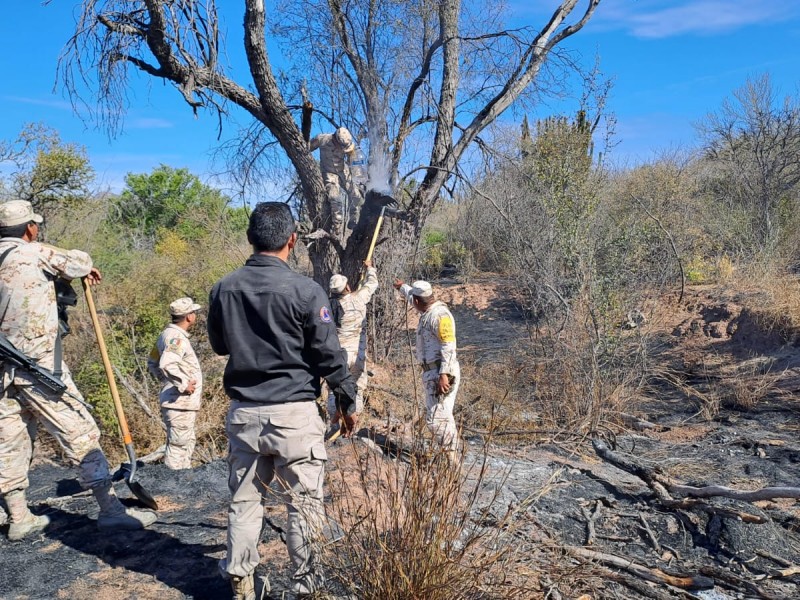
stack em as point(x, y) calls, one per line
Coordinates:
point(723, 411)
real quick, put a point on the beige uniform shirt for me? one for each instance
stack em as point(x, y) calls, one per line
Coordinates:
point(354, 309)
point(436, 336)
point(174, 363)
point(332, 157)
point(28, 311)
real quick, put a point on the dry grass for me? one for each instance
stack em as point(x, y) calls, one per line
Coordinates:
point(424, 529)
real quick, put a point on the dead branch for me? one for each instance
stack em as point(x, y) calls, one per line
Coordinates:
point(686, 582)
point(737, 583)
point(777, 559)
point(135, 395)
point(590, 521)
point(662, 484)
point(154, 455)
point(690, 503)
point(650, 534)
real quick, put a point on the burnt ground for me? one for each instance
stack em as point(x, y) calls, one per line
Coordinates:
point(724, 411)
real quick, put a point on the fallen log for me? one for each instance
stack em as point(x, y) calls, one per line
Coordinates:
point(664, 486)
point(685, 582)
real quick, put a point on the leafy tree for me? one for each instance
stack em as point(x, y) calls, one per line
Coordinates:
point(440, 73)
point(169, 200)
point(47, 172)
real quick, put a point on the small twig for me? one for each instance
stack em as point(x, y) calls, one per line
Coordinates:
point(650, 534)
point(777, 559)
point(590, 521)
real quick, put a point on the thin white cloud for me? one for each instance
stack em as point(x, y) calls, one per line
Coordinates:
point(150, 123)
point(50, 103)
point(667, 18)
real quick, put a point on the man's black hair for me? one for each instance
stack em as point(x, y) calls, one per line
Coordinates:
point(271, 224)
point(14, 231)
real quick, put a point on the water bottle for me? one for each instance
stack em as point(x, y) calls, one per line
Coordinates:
point(358, 166)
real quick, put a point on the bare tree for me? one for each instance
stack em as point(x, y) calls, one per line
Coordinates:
point(754, 139)
point(422, 92)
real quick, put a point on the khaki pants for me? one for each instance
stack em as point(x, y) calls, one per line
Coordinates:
point(439, 416)
point(180, 437)
point(333, 188)
point(266, 442)
point(23, 402)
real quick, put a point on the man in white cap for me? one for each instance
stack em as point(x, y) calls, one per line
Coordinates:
point(335, 153)
point(436, 352)
point(174, 363)
point(29, 322)
point(349, 312)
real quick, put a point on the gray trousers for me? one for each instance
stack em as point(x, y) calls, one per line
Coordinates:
point(282, 442)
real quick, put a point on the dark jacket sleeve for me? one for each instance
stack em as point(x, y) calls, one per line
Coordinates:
point(322, 343)
point(214, 323)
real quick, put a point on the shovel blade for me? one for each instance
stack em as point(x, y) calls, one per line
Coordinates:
point(142, 494)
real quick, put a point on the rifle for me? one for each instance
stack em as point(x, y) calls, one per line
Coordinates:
point(9, 354)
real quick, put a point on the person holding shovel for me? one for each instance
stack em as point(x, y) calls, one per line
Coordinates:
point(276, 328)
point(436, 353)
point(29, 322)
point(349, 312)
point(174, 363)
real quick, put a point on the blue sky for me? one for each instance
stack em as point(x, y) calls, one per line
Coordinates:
point(672, 62)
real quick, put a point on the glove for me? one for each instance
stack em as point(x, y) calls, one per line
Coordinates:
point(346, 407)
point(345, 396)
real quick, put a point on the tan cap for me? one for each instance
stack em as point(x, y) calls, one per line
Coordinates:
point(183, 306)
point(17, 212)
point(421, 289)
point(338, 283)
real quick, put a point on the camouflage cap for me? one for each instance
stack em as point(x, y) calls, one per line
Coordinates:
point(345, 139)
point(17, 212)
point(337, 284)
point(183, 306)
point(421, 289)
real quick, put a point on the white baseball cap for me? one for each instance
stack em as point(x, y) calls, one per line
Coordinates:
point(421, 289)
point(17, 212)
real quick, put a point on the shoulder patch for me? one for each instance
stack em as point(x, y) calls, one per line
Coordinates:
point(325, 315)
point(173, 344)
point(447, 329)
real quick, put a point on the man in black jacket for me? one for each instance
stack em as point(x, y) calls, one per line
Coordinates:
point(276, 328)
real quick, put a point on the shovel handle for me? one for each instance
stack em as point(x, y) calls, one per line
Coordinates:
point(112, 384)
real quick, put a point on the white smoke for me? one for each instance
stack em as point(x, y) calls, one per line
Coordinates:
point(379, 167)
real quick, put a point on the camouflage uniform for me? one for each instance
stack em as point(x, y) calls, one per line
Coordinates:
point(336, 175)
point(352, 334)
point(29, 319)
point(436, 352)
point(174, 363)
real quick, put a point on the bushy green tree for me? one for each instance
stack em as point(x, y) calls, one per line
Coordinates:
point(51, 174)
point(167, 199)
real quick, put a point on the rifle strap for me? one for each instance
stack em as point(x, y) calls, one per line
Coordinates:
point(58, 354)
point(6, 253)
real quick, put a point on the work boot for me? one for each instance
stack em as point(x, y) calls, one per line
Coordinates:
point(308, 584)
point(243, 587)
point(129, 519)
point(23, 521)
point(113, 515)
point(31, 524)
